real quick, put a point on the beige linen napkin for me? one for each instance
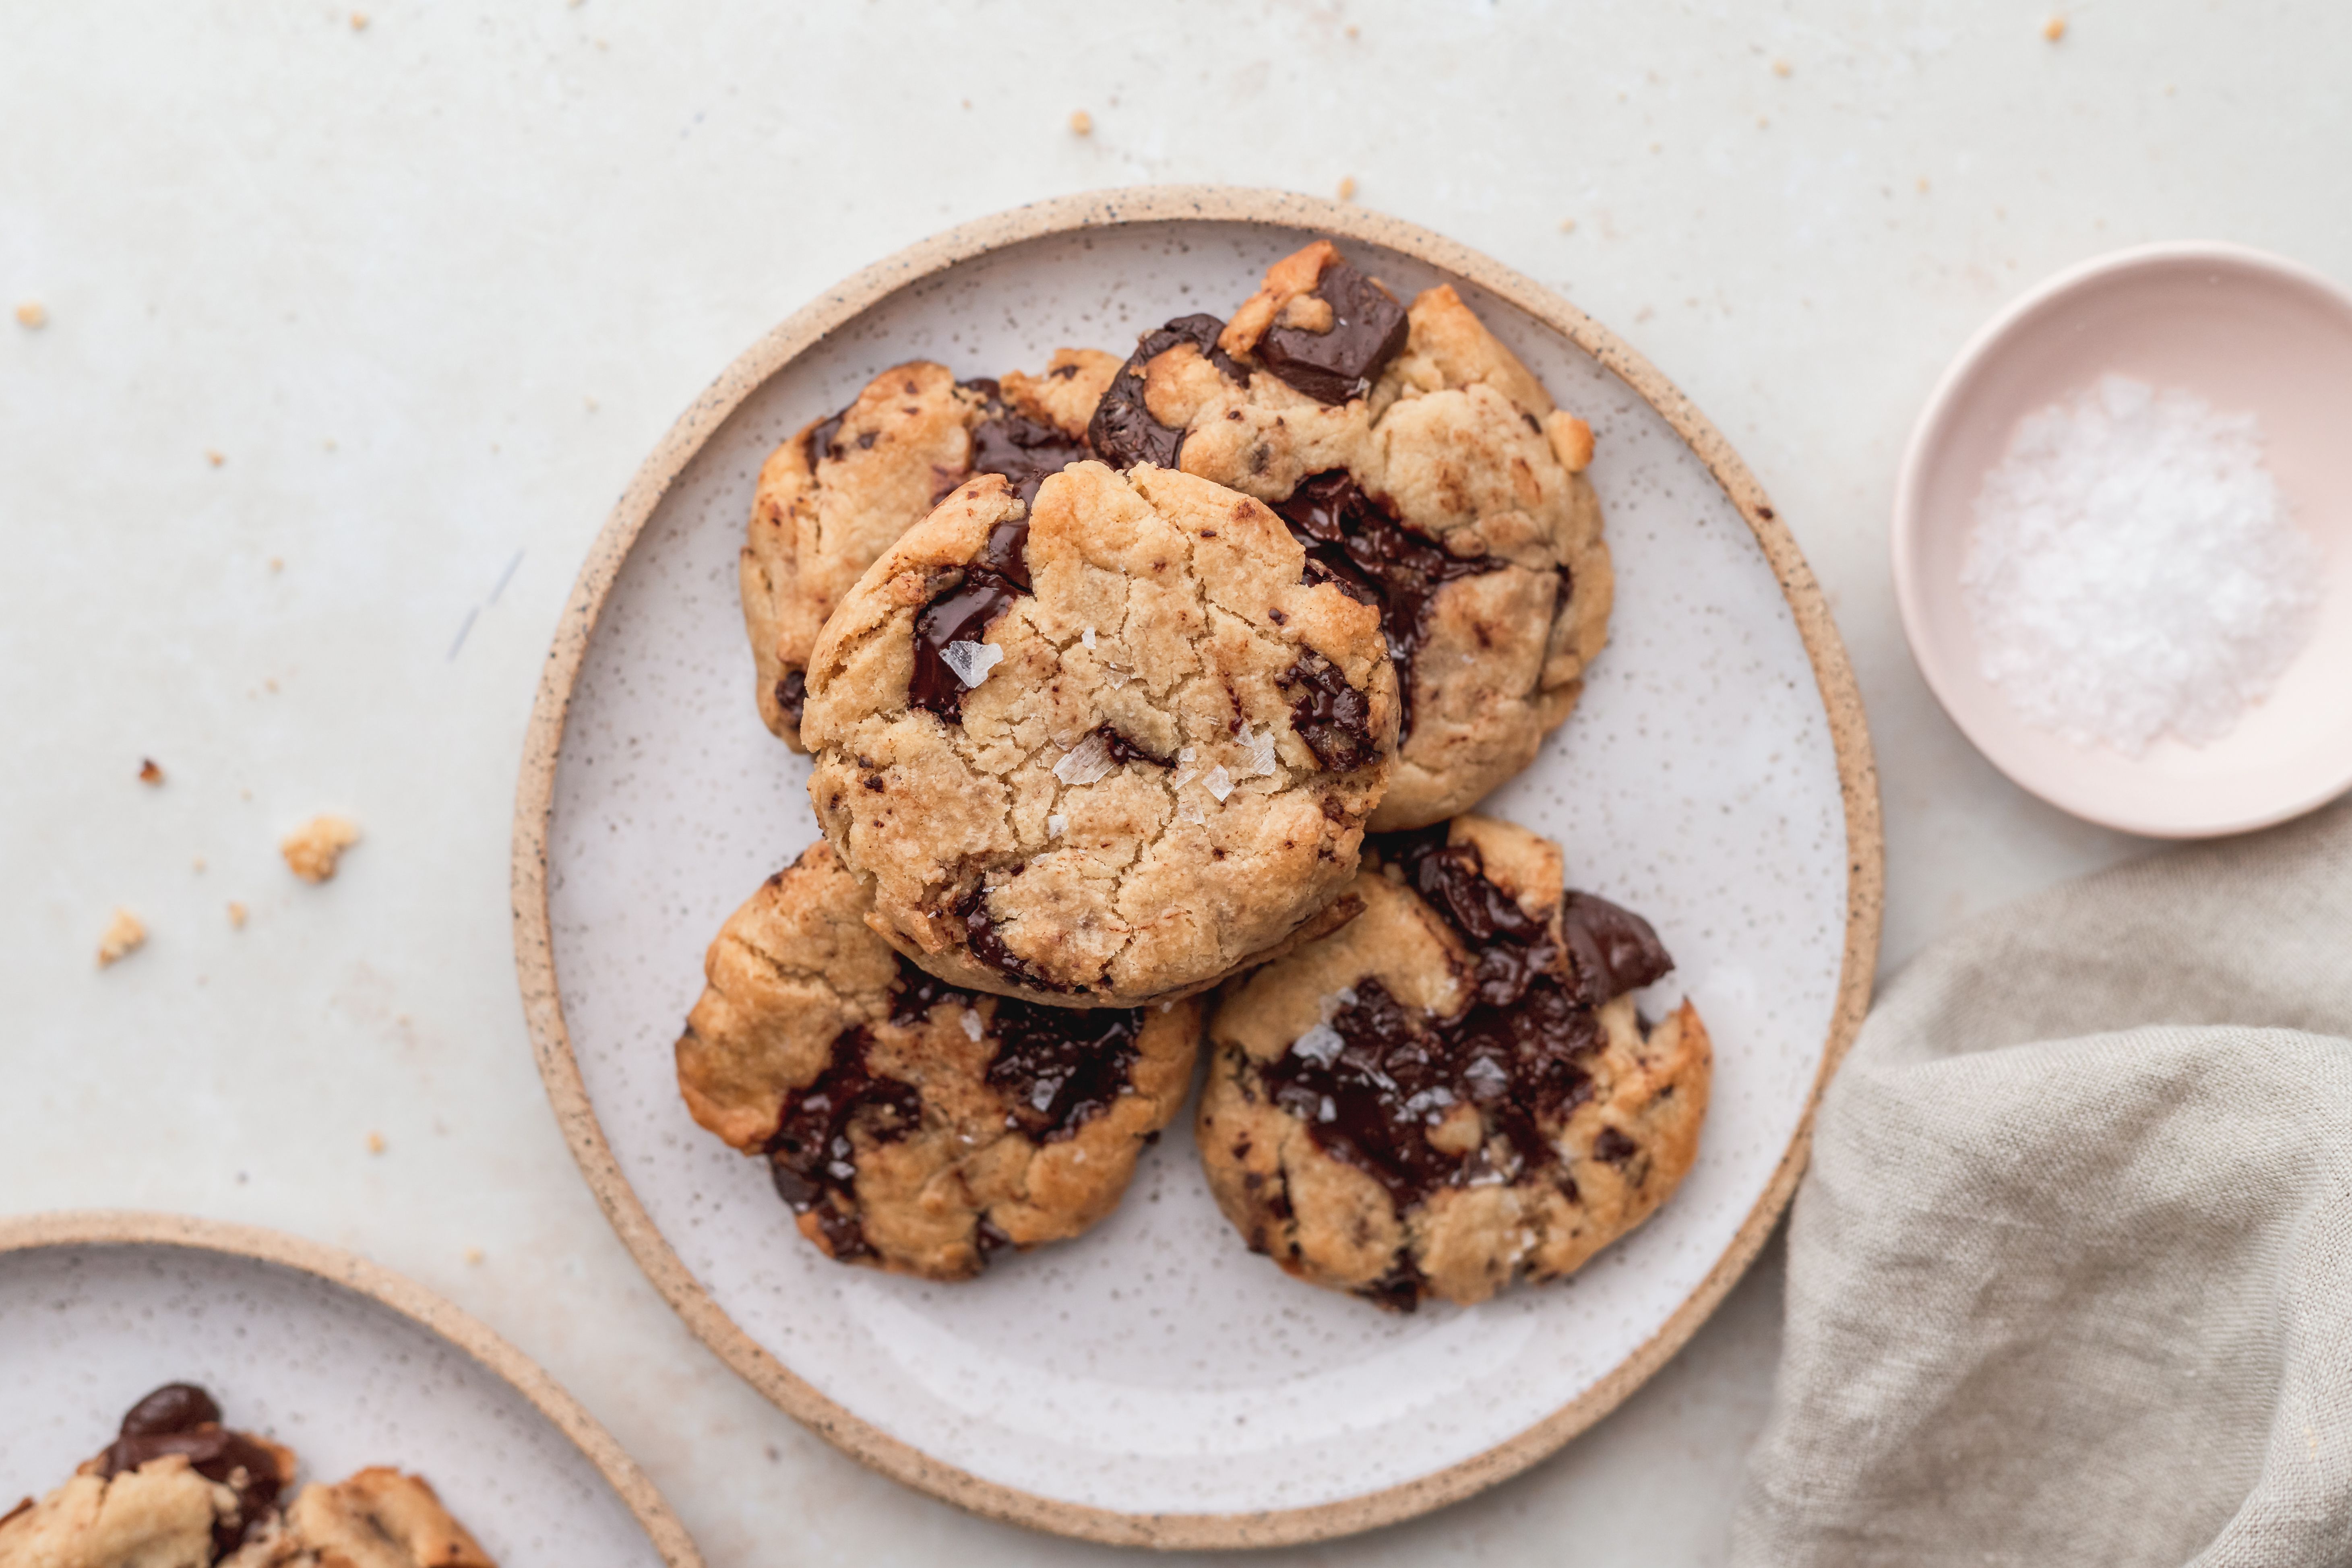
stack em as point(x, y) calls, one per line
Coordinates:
point(2071, 1277)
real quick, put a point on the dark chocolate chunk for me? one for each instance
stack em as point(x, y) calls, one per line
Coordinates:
point(1332, 717)
point(918, 991)
point(792, 693)
point(1516, 1051)
point(181, 1418)
point(822, 439)
point(174, 1407)
point(812, 1156)
point(981, 940)
point(1353, 539)
point(1009, 442)
point(1613, 949)
point(1060, 1067)
point(1398, 1291)
point(1613, 1146)
point(963, 612)
point(1122, 432)
point(1123, 749)
point(1368, 330)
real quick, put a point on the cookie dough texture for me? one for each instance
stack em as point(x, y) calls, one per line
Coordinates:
point(1005, 850)
point(987, 1123)
point(1458, 440)
point(159, 1516)
point(1620, 1124)
point(843, 488)
point(378, 1517)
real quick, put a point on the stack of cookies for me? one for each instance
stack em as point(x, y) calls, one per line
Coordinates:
point(1145, 701)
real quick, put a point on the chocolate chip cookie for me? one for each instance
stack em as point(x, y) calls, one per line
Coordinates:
point(177, 1488)
point(845, 486)
point(1101, 750)
point(1424, 469)
point(1454, 1090)
point(912, 1126)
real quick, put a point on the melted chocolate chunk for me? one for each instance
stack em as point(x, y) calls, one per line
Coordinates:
point(181, 1418)
point(1516, 1052)
point(1332, 717)
point(1123, 432)
point(1009, 442)
point(1613, 1146)
point(812, 1157)
point(1398, 1291)
point(984, 945)
point(1353, 540)
point(918, 991)
point(963, 612)
point(1613, 950)
point(824, 439)
point(1062, 1067)
point(792, 693)
point(1368, 330)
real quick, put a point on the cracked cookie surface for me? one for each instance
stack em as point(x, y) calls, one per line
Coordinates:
point(1424, 468)
point(843, 488)
point(1104, 750)
point(177, 1488)
point(912, 1126)
point(1453, 1091)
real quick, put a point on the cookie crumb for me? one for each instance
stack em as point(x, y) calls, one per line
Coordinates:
point(149, 774)
point(236, 915)
point(314, 849)
point(1354, 31)
point(1347, 187)
point(199, 863)
point(1567, 225)
point(1923, 185)
point(2055, 28)
point(215, 459)
point(375, 1145)
point(359, 21)
point(1082, 123)
point(1782, 68)
point(474, 1254)
point(32, 315)
point(124, 936)
point(278, 564)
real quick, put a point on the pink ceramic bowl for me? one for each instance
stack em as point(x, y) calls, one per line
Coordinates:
point(2244, 330)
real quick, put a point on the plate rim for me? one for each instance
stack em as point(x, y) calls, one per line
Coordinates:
point(1906, 526)
point(399, 1294)
point(535, 800)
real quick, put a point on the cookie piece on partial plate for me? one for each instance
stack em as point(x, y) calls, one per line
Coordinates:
point(1426, 470)
point(1453, 1091)
point(911, 1126)
point(843, 488)
point(177, 1488)
point(1103, 751)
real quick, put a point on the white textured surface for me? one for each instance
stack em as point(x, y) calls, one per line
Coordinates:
point(1154, 1364)
point(434, 242)
point(87, 1331)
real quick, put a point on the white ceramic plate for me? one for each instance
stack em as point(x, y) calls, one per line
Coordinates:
point(317, 1350)
point(2244, 330)
point(1155, 1382)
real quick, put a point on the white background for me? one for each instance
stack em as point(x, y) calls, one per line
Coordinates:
point(432, 288)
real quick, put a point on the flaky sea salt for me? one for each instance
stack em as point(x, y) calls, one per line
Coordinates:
point(1185, 772)
point(1055, 824)
point(1320, 1044)
point(1087, 761)
point(1219, 782)
point(1261, 751)
point(973, 1027)
point(2133, 570)
point(1087, 638)
point(972, 661)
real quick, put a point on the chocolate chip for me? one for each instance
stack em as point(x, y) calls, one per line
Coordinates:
point(1368, 330)
point(821, 439)
point(182, 1419)
point(812, 1156)
point(963, 612)
point(1613, 950)
point(1060, 1067)
point(1354, 540)
point(986, 947)
point(1025, 452)
point(1399, 1289)
point(1613, 1146)
point(174, 1407)
point(1332, 717)
point(1122, 431)
point(792, 693)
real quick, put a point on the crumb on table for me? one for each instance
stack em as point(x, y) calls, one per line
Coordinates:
point(1347, 187)
point(375, 1145)
point(236, 915)
point(149, 772)
point(2055, 28)
point(314, 849)
point(32, 314)
point(473, 1255)
point(1082, 123)
point(124, 936)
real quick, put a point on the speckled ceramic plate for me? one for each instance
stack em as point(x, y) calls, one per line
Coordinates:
point(1154, 1382)
point(348, 1364)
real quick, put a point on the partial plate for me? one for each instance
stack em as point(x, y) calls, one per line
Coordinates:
point(2242, 330)
point(1154, 1382)
point(348, 1363)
